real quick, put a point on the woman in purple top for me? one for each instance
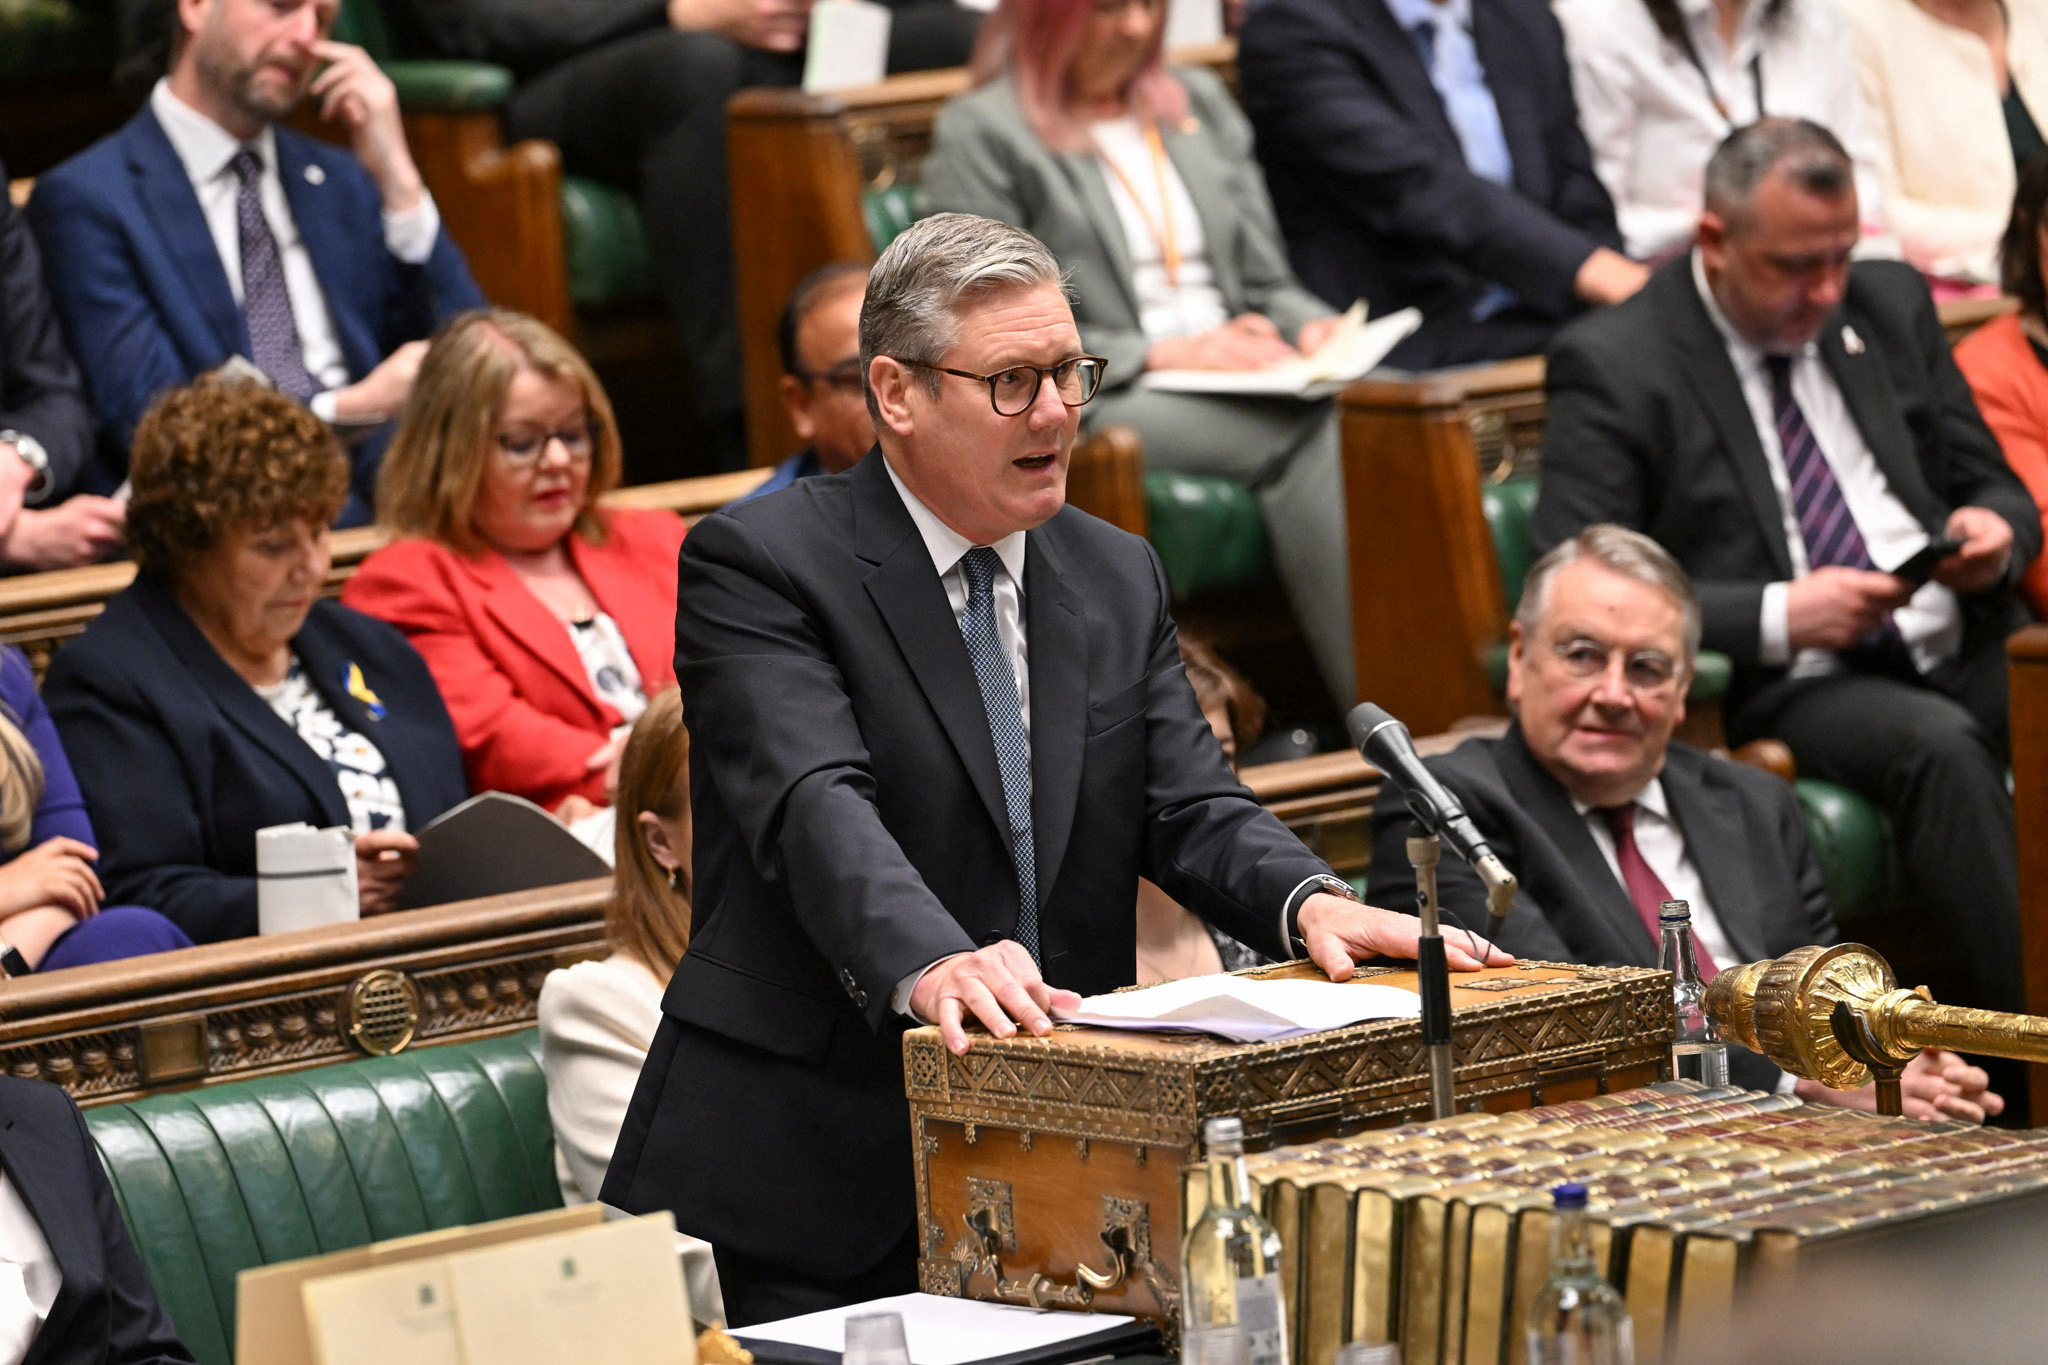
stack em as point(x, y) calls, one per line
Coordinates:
point(50, 913)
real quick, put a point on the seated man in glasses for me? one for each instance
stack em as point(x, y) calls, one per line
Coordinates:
point(1602, 816)
point(819, 337)
point(939, 728)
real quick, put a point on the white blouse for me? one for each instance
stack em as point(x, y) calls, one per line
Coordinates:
point(1136, 179)
point(1652, 121)
point(29, 1276)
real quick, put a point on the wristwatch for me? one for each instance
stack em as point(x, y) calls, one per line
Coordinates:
point(34, 456)
point(12, 963)
point(1335, 886)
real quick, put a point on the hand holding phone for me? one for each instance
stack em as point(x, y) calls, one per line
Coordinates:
point(1921, 566)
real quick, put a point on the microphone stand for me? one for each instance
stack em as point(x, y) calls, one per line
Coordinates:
point(1433, 973)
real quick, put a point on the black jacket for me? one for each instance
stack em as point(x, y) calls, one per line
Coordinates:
point(41, 394)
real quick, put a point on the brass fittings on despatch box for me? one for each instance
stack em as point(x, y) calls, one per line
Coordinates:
point(990, 1229)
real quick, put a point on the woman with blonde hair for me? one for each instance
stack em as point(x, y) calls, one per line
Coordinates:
point(597, 1018)
point(547, 620)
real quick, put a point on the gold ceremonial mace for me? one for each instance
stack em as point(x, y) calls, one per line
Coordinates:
point(1837, 1016)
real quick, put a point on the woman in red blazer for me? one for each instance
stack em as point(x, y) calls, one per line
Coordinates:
point(547, 621)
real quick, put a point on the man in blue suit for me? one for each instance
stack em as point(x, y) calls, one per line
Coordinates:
point(1427, 154)
point(201, 231)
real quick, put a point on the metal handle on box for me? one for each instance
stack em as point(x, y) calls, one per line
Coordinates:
point(981, 1251)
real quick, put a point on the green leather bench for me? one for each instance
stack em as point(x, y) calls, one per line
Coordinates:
point(1851, 838)
point(215, 1181)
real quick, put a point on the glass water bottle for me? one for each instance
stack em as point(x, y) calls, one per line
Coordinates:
point(1578, 1319)
point(1697, 1051)
point(1231, 1312)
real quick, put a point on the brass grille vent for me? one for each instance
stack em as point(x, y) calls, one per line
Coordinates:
point(382, 1012)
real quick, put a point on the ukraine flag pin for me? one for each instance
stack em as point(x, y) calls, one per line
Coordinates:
point(360, 690)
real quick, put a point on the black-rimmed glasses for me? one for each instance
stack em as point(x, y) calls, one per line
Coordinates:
point(1647, 670)
point(1012, 392)
point(523, 449)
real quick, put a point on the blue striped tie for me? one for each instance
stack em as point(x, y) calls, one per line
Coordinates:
point(273, 332)
point(1825, 522)
point(1006, 726)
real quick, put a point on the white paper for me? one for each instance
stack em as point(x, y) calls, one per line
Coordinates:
point(1193, 21)
point(849, 45)
point(1355, 348)
point(305, 877)
point(941, 1331)
point(1244, 1009)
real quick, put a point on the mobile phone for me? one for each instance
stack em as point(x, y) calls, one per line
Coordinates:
point(1920, 567)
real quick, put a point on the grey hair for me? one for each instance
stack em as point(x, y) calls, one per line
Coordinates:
point(915, 292)
point(1617, 550)
point(1806, 151)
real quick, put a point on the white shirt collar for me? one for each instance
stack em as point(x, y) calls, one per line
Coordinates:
point(203, 146)
point(1650, 798)
point(1746, 355)
point(947, 545)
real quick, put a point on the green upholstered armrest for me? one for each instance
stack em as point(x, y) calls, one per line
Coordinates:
point(888, 211)
point(43, 39)
point(1508, 505)
point(1208, 531)
point(215, 1181)
point(448, 86)
point(605, 241)
point(1853, 841)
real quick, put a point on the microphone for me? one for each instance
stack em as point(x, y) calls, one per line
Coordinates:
point(1385, 743)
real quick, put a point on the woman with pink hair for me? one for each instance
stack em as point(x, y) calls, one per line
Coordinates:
point(1140, 179)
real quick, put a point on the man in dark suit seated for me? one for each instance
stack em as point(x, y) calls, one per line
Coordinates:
point(1427, 154)
point(939, 728)
point(1791, 427)
point(201, 231)
point(1602, 817)
point(45, 426)
point(819, 337)
point(634, 93)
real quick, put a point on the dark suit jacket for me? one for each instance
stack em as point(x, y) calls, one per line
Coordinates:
point(106, 1311)
point(1742, 827)
point(40, 392)
point(181, 762)
point(850, 829)
point(1647, 426)
point(146, 301)
point(1370, 182)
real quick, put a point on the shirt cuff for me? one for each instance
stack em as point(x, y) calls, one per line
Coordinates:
point(1774, 628)
point(410, 235)
point(899, 999)
point(322, 406)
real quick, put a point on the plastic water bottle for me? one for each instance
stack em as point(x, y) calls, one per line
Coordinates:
point(1231, 1313)
point(1697, 1052)
point(1578, 1319)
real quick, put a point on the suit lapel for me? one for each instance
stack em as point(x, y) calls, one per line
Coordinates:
point(1709, 815)
point(333, 255)
point(1087, 178)
point(43, 1179)
point(165, 193)
point(1711, 373)
point(1056, 630)
point(1521, 121)
point(633, 601)
point(1406, 78)
point(1190, 151)
point(239, 702)
point(1868, 394)
point(905, 588)
point(1552, 810)
point(530, 625)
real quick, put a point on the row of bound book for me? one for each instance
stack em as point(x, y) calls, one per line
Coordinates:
point(1707, 1202)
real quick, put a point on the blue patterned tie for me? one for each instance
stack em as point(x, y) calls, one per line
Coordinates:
point(1825, 522)
point(1006, 726)
point(273, 331)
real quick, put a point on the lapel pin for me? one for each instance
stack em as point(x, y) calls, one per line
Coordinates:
point(1851, 343)
point(315, 176)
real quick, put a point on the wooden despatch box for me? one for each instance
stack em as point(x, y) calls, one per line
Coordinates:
point(1048, 1169)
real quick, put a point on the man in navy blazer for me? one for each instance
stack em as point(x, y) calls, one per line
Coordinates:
point(1427, 154)
point(170, 250)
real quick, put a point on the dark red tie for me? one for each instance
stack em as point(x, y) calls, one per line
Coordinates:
point(1645, 887)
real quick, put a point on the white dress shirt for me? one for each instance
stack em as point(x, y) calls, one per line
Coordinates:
point(206, 150)
point(29, 1275)
point(1135, 177)
point(1662, 845)
point(1931, 623)
point(1652, 122)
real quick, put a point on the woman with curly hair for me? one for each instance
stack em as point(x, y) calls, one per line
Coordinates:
point(218, 695)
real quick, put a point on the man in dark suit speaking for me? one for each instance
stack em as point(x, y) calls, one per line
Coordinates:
point(1794, 431)
point(940, 728)
point(1602, 817)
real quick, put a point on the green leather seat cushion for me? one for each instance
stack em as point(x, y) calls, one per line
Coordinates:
point(215, 1181)
point(605, 241)
point(1852, 839)
point(449, 86)
point(1209, 532)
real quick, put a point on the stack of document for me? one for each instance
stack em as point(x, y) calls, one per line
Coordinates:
point(1354, 348)
point(942, 1331)
point(1244, 1009)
